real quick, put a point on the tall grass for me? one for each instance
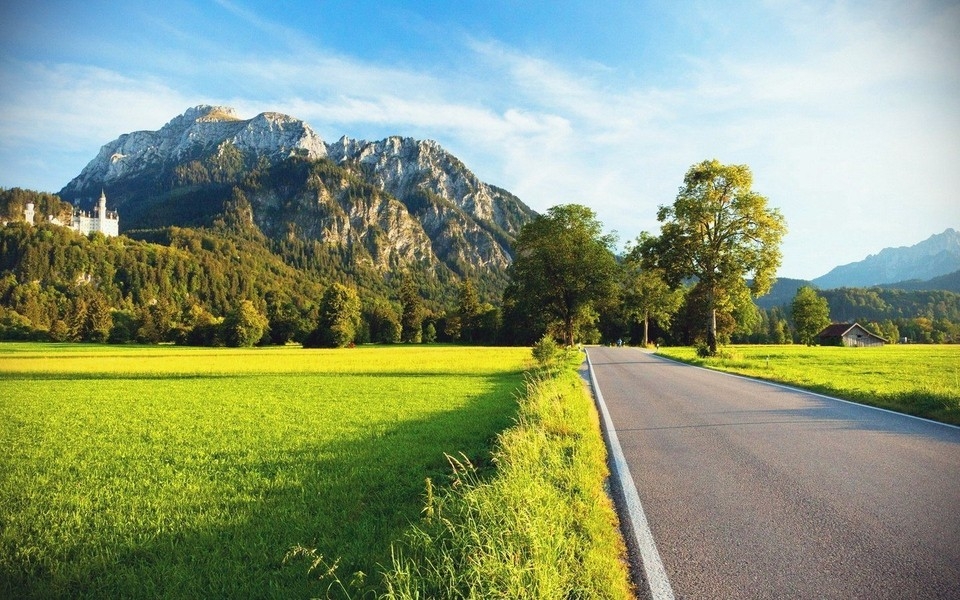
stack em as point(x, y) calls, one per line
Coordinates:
point(541, 526)
point(921, 380)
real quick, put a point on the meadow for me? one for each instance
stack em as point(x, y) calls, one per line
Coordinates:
point(185, 472)
point(542, 526)
point(921, 380)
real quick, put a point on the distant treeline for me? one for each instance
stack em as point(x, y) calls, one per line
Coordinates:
point(924, 317)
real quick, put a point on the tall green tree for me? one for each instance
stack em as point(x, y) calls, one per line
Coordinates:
point(76, 318)
point(339, 317)
point(468, 311)
point(646, 294)
point(413, 312)
point(564, 268)
point(717, 232)
point(99, 319)
point(811, 314)
point(383, 321)
point(244, 325)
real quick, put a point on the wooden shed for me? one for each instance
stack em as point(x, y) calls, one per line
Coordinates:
point(848, 334)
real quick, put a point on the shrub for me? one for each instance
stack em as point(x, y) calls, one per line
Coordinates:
point(546, 352)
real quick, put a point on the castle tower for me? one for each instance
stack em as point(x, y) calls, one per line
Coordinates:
point(107, 223)
point(28, 213)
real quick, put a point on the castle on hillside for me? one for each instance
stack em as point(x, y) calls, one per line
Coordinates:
point(102, 220)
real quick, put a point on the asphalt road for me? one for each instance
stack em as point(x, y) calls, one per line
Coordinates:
point(757, 491)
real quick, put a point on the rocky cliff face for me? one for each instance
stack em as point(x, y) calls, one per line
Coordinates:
point(197, 133)
point(405, 167)
point(460, 213)
point(391, 203)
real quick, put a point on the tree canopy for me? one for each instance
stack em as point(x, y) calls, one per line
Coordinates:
point(564, 268)
point(646, 294)
point(339, 318)
point(811, 314)
point(717, 233)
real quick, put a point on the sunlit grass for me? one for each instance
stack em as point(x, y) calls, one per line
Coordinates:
point(541, 527)
point(922, 380)
point(165, 471)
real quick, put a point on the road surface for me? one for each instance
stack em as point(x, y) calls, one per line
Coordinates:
point(758, 491)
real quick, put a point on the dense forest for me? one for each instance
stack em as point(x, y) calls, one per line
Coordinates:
point(190, 289)
point(228, 284)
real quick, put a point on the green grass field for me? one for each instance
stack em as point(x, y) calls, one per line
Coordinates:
point(921, 380)
point(181, 472)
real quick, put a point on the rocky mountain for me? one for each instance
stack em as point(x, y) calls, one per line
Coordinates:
point(384, 206)
point(935, 256)
point(198, 133)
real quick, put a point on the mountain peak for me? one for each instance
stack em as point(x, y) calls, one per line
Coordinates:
point(937, 255)
point(394, 203)
point(191, 136)
point(209, 113)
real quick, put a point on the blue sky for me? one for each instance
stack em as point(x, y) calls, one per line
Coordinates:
point(848, 113)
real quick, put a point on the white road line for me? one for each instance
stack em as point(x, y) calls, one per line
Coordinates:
point(809, 392)
point(656, 576)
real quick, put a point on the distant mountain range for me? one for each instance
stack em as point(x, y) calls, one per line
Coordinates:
point(934, 257)
point(933, 264)
point(385, 206)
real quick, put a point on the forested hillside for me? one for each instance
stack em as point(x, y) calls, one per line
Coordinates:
point(228, 282)
point(60, 285)
point(202, 286)
point(920, 316)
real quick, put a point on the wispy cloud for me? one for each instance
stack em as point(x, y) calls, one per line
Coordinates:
point(47, 102)
point(860, 110)
point(56, 117)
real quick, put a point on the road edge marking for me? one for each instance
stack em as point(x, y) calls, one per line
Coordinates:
point(804, 391)
point(658, 583)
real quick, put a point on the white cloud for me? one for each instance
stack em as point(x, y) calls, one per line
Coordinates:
point(858, 124)
point(75, 105)
point(56, 117)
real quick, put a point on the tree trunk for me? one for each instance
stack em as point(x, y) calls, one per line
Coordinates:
point(646, 325)
point(568, 330)
point(712, 331)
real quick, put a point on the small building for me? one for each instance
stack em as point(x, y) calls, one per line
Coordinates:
point(848, 334)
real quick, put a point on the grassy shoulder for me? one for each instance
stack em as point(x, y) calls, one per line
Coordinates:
point(540, 526)
point(920, 380)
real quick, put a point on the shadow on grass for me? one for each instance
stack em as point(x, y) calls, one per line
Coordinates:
point(348, 499)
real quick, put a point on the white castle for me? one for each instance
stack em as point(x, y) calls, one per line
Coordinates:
point(102, 220)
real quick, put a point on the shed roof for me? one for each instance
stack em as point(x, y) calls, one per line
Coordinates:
point(836, 329)
point(841, 329)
